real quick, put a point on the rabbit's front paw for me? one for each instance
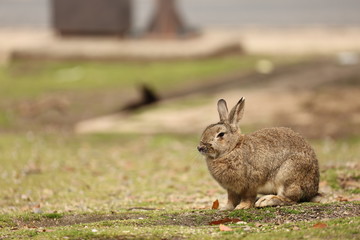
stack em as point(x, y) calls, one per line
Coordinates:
point(245, 205)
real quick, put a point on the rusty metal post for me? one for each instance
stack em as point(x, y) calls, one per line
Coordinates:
point(166, 21)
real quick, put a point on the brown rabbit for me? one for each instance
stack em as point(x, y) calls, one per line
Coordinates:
point(273, 161)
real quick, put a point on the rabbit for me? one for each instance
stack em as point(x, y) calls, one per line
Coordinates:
point(276, 162)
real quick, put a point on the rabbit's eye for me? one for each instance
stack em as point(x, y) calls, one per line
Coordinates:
point(220, 135)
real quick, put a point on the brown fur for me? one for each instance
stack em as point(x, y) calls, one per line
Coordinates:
point(274, 161)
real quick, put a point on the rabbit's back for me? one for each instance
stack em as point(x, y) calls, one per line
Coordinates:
point(276, 144)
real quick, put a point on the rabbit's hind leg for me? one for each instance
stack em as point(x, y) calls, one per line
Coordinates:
point(272, 200)
point(286, 196)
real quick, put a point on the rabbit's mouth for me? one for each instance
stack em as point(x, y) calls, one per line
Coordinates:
point(206, 150)
point(202, 149)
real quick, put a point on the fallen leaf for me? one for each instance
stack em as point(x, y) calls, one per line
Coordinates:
point(342, 199)
point(320, 225)
point(225, 220)
point(225, 228)
point(215, 204)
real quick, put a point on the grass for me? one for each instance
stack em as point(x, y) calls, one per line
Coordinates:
point(80, 170)
point(53, 215)
point(92, 181)
point(98, 172)
point(36, 78)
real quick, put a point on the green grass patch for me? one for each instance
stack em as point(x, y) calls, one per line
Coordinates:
point(331, 176)
point(6, 221)
point(355, 191)
point(53, 215)
point(21, 79)
point(29, 217)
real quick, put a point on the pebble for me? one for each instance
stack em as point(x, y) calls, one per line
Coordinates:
point(247, 228)
point(241, 222)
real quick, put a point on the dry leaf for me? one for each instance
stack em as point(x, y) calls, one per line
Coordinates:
point(225, 228)
point(215, 204)
point(320, 225)
point(342, 199)
point(225, 220)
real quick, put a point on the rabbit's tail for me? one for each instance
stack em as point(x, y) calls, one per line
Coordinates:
point(318, 198)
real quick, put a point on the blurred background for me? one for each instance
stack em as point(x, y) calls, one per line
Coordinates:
point(297, 64)
point(207, 13)
point(107, 95)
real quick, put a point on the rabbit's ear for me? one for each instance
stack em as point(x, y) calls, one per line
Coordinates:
point(223, 110)
point(237, 112)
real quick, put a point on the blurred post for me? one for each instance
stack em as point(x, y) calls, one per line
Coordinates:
point(92, 17)
point(166, 21)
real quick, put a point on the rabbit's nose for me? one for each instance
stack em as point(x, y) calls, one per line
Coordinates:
point(201, 148)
